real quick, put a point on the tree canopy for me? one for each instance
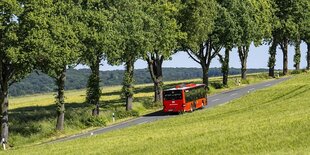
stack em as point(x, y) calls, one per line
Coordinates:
point(163, 35)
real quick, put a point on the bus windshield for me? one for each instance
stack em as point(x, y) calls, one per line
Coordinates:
point(173, 95)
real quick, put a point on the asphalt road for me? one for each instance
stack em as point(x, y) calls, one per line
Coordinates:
point(213, 100)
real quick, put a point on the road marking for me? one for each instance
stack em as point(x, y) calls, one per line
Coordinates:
point(251, 89)
point(268, 85)
point(234, 94)
point(215, 100)
point(223, 104)
point(143, 122)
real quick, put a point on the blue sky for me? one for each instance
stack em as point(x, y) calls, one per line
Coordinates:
point(258, 58)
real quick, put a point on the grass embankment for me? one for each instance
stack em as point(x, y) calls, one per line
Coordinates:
point(32, 118)
point(275, 120)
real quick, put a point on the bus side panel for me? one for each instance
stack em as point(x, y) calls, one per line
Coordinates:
point(188, 106)
point(201, 103)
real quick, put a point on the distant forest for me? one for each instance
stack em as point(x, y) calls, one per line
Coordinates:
point(38, 82)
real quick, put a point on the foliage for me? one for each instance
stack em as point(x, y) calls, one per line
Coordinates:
point(98, 36)
point(93, 92)
point(96, 31)
point(135, 41)
point(125, 114)
point(92, 121)
point(16, 61)
point(253, 24)
point(163, 34)
point(162, 28)
point(150, 104)
point(197, 20)
point(292, 22)
point(53, 39)
point(127, 89)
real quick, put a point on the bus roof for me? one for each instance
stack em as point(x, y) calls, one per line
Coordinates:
point(185, 87)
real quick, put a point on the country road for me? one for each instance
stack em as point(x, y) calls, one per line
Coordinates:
point(213, 100)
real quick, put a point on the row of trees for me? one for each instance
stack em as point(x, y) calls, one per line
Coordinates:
point(53, 35)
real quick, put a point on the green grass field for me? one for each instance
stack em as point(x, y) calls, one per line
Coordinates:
point(33, 118)
point(275, 120)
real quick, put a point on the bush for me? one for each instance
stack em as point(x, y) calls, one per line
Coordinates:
point(82, 118)
point(123, 114)
point(149, 104)
point(94, 121)
point(245, 81)
point(299, 71)
point(217, 85)
point(296, 71)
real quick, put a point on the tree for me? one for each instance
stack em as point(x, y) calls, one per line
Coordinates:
point(134, 43)
point(253, 24)
point(308, 55)
point(304, 27)
point(225, 30)
point(288, 14)
point(15, 60)
point(302, 20)
point(272, 57)
point(163, 33)
point(51, 34)
point(297, 55)
point(98, 37)
point(197, 21)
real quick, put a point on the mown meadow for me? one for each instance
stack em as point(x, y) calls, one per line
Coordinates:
point(33, 117)
point(274, 120)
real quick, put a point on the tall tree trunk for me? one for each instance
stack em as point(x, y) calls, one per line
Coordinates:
point(243, 55)
point(297, 55)
point(308, 56)
point(284, 47)
point(225, 67)
point(155, 69)
point(60, 99)
point(128, 83)
point(272, 58)
point(205, 72)
point(204, 57)
point(93, 87)
point(4, 110)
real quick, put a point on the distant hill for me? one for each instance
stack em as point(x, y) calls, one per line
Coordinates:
point(38, 82)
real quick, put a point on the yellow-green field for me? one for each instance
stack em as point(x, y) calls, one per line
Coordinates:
point(33, 118)
point(113, 92)
point(275, 120)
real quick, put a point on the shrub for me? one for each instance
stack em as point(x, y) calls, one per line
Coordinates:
point(297, 71)
point(245, 81)
point(94, 121)
point(123, 114)
point(149, 104)
point(217, 85)
point(82, 118)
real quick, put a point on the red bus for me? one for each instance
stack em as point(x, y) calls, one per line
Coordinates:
point(184, 98)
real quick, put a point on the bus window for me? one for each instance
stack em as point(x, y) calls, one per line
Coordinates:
point(173, 95)
point(195, 94)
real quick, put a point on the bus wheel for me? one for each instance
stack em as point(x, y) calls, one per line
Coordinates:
point(193, 107)
point(202, 106)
